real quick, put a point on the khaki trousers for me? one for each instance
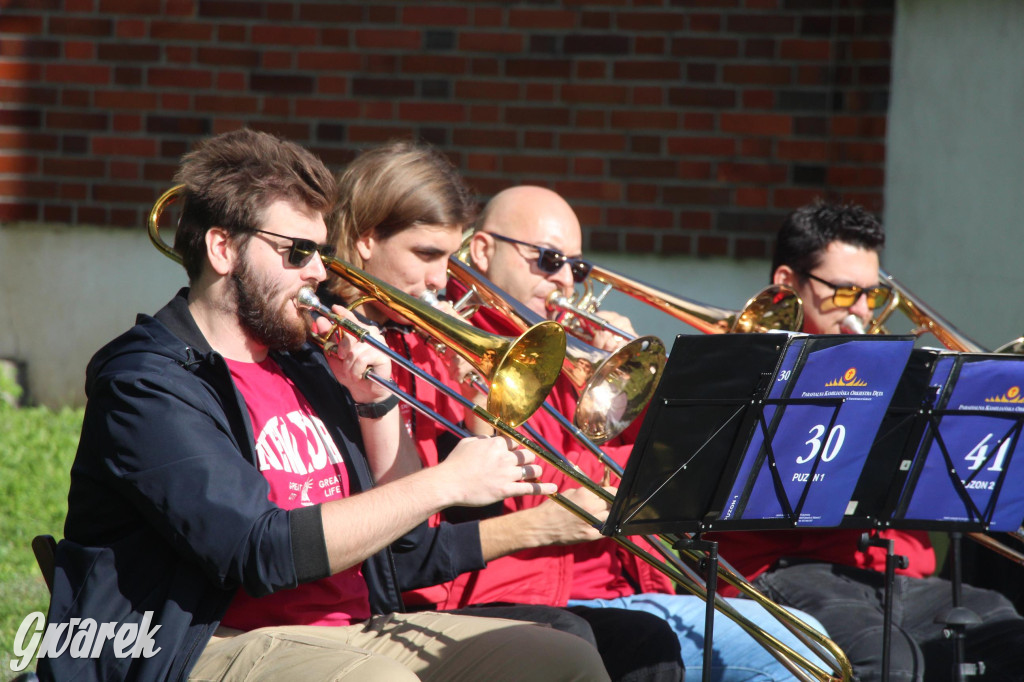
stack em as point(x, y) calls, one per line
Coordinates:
point(430, 646)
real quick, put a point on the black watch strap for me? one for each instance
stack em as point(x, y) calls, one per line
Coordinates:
point(377, 410)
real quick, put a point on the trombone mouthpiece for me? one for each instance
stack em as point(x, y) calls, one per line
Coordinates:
point(851, 324)
point(307, 299)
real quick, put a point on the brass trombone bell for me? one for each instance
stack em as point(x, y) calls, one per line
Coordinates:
point(613, 388)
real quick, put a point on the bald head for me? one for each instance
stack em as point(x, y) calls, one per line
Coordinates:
point(536, 216)
point(531, 213)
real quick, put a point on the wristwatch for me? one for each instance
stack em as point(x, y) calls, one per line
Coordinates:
point(377, 410)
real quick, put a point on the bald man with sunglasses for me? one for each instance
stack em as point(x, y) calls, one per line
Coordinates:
point(528, 242)
point(830, 254)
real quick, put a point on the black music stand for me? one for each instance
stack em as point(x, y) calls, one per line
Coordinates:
point(745, 432)
point(945, 459)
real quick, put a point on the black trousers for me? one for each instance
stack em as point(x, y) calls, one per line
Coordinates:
point(635, 646)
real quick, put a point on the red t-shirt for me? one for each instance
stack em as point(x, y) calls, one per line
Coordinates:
point(303, 466)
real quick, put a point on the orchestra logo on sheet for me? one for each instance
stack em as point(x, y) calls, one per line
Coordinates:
point(1011, 397)
point(849, 379)
point(82, 638)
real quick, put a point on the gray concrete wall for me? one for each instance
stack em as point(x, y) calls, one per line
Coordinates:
point(955, 173)
point(64, 292)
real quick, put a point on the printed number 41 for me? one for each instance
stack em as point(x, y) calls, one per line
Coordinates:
point(832, 444)
point(977, 455)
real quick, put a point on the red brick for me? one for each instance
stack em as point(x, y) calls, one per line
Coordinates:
point(701, 146)
point(226, 56)
point(696, 195)
point(435, 15)
point(628, 217)
point(15, 23)
point(801, 150)
point(757, 147)
point(434, 63)
point(542, 165)
point(751, 248)
point(648, 96)
point(308, 60)
point(593, 94)
point(231, 80)
point(590, 69)
point(537, 116)
point(809, 50)
point(583, 165)
point(73, 191)
point(541, 19)
point(757, 74)
point(642, 168)
point(639, 243)
point(699, 121)
point(858, 126)
point(538, 68)
point(79, 51)
point(761, 23)
point(28, 141)
point(707, 22)
point(180, 78)
point(123, 146)
point(752, 197)
point(57, 214)
point(126, 123)
point(431, 111)
point(491, 42)
point(484, 67)
point(487, 90)
point(586, 142)
point(12, 163)
point(862, 152)
point(864, 50)
point(759, 99)
point(590, 118)
point(181, 30)
point(641, 193)
point(485, 114)
point(538, 139)
point(540, 92)
point(394, 39)
point(712, 246)
point(230, 33)
point(124, 170)
point(595, 20)
point(479, 137)
point(18, 71)
point(756, 124)
point(646, 120)
point(227, 104)
point(706, 47)
point(649, 45)
point(676, 244)
point(123, 193)
point(77, 120)
point(277, 60)
point(717, 98)
point(482, 162)
point(176, 101)
point(791, 198)
point(77, 74)
point(179, 54)
point(647, 70)
point(607, 191)
point(326, 108)
point(130, 28)
point(651, 21)
point(13, 211)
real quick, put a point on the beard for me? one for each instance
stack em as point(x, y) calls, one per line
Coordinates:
point(277, 328)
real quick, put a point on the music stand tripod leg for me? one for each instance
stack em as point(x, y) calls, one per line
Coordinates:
point(958, 618)
point(710, 564)
point(892, 562)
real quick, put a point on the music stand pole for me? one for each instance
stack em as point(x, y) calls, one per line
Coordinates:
point(710, 563)
point(892, 562)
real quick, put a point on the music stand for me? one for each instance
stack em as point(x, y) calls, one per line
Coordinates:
point(757, 432)
point(745, 431)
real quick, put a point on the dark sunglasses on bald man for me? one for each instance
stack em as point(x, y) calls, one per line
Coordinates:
point(846, 296)
point(552, 260)
point(301, 249)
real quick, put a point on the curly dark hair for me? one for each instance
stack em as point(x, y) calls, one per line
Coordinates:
point(806, 232)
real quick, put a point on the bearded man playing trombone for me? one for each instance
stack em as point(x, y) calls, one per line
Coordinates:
point(229, 475)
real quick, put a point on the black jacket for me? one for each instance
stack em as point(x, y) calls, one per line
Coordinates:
point(168, 513)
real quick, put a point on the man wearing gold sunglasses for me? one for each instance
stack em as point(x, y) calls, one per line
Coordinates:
point(830, 255)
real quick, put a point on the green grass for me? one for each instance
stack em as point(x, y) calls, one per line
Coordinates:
point(37, 446)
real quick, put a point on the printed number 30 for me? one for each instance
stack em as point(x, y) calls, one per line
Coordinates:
point(838, 435)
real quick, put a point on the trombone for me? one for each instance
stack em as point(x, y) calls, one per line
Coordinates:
point(613, 388)
point(442, 326)
point(776, 307)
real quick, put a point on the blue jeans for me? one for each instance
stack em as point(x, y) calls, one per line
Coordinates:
point(736, 656)
point(849, 602)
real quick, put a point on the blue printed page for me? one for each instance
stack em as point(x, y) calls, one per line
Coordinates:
point(981, 448)
point(863, 373)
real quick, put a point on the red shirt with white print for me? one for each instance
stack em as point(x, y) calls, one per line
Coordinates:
point(303, 466)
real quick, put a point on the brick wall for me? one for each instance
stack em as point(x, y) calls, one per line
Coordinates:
point(685, 126)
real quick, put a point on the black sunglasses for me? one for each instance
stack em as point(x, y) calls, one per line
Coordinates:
point(552, 260)
point(846, 296)
point(301, 249)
